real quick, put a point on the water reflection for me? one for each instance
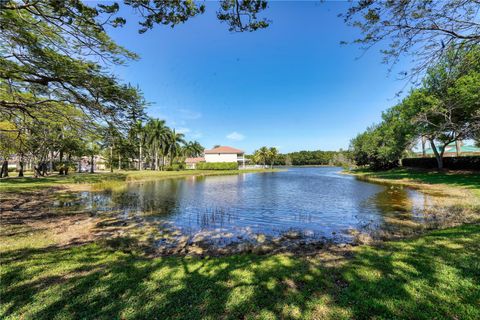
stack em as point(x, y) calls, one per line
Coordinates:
point(318, 202)
point(396, 209)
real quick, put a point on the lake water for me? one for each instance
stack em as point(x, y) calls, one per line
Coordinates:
point(317, 202)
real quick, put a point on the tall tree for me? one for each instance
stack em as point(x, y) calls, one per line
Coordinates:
point(263, 154)
point(50, 54)
point(111, 138)
point(444, 110)
point(448, 105)
point(57, 51)
point(422, 29)
point(157, 133)
point(174, 142)
point(139, 136)
point(8, 139)
point(193, 149)
point(273, 155)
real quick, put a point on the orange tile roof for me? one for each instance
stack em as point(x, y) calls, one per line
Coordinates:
point(194, 160)
point(224, 149)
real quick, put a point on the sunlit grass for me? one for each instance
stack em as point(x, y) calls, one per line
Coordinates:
point(433, 277)
point(450, 179)
point(106, 179)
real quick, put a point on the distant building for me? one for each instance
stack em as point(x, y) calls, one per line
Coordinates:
point(451, 151)
point(225, 154)
point(191, 163)
point(99, 163)
point(218, 154)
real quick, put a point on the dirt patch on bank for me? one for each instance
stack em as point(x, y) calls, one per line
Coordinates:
point(31, 215)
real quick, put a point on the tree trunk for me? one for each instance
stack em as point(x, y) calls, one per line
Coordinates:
point(156, 159)
point(20, 171)
point(50, 162)
point(111, 159)
point(92, 165)
point(36, 171)
point(4, 170)
point(119, 162)
point(424, 141)
point(438, 156)
point(140, 162)
point(458, 147)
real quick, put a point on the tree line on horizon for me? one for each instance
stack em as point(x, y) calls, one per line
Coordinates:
point(271, 156)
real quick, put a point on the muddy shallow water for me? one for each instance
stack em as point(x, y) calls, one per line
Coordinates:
point(303, 204)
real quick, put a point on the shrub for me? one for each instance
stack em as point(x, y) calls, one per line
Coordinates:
point(63, 167)
point(217, 165)
point(454, 163)
point(175, 167)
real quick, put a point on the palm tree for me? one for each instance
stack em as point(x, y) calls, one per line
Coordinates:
point(157, 134)
point(139, 134)
point(263, 152)
point(273, 153)
point(174, 141)
point(256, 157)
point(192, 149)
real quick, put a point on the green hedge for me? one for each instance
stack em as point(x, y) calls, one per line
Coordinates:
point(175, 167)
point(454, 163)
point(217, 165)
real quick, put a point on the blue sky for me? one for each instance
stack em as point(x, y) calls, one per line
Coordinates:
point(292, 85)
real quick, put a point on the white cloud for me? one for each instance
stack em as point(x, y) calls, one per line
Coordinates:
point(189, 114)
point(183, 130)
point(197, 135)
point(235, 136)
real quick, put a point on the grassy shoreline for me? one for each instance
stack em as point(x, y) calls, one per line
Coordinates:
point(434, 276)
point(424, 180)
point(79, 180)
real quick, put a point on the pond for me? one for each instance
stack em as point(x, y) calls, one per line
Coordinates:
point(308, 203)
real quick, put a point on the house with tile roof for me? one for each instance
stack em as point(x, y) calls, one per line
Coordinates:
point(191, 163)
point(219, 154)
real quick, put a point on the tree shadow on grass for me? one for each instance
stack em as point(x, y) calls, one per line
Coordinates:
point(435, 276)
point(22, 185)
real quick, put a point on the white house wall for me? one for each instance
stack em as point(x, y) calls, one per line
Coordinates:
point(222, 157)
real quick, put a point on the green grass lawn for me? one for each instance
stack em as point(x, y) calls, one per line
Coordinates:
point(436, 276)
point(470, 181)
point(29, 183)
